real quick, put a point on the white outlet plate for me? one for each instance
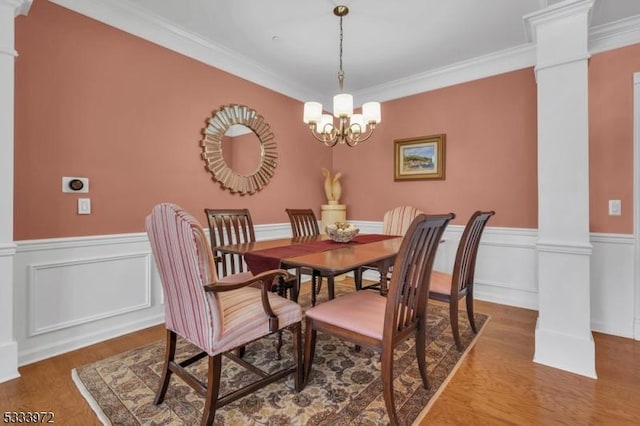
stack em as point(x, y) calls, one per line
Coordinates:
point(84, 205)
point(67, 188)
point(615, 207)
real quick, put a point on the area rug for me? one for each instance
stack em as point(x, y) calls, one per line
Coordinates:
point(345, 386)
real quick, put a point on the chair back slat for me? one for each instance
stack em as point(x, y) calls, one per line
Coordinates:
point(409, 286)
point(465, 263)
point(185, 265)
point(397, 220)
point(230, 226)
point(303, 222)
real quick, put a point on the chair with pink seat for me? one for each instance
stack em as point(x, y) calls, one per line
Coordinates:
point(216, 315)
point(450, 288)
point(382, 323)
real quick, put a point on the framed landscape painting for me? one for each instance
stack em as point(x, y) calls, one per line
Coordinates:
point(419, 158)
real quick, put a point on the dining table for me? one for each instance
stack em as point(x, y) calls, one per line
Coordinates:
point(325, 257)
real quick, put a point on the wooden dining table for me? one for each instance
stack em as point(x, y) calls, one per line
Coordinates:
point(325, 257)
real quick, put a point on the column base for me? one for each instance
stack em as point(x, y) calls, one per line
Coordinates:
point(575, 354)
point(8, 362)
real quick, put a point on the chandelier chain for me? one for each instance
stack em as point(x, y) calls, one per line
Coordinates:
point(341, 72)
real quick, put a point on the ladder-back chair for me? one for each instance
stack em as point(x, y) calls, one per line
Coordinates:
point(382, 323)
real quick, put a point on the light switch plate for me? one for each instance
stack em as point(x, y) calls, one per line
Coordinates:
point(615, 207)
point(84, 205)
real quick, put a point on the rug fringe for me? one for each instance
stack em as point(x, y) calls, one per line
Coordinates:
point(90, 400)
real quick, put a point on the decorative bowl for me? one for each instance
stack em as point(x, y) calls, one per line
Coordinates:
point(341, 232)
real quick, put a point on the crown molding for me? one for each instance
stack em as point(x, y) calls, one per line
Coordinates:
point(624, 32)
point(500, 62)
point(128, 17)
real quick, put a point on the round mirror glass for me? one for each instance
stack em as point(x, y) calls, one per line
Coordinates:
point(241, 149)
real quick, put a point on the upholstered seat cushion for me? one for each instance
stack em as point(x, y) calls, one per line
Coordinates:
point(245, 320)
point(440, 283)
point(361, 312)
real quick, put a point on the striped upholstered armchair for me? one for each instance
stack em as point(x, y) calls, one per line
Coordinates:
point(216, 315)
point(394, 222)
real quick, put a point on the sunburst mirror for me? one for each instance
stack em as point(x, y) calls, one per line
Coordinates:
point(234, 158)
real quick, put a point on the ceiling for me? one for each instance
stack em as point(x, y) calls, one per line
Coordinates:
point(292, 46)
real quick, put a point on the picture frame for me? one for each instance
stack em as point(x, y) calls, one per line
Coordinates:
point(419, 158)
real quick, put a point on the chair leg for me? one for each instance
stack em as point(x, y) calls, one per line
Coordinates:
point(470, 310)
point(213, 388)
point(298, 282)
point(309, 347)
point(169, 355)
point(313, 289)
point(296, 329)
point(453, 315)
point(386, 364)
point(240, 351)
point(278, 344)
point(421, 352)
point(293, 292)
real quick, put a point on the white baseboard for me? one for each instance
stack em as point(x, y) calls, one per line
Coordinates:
point(41, 352)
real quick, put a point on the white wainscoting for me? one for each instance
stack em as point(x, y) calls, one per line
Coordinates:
point(506, 272)
point(73, 292)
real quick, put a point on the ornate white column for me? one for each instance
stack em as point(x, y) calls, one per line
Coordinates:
point(563, 331)
point(9, 9)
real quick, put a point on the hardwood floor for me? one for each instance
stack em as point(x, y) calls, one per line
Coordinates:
point(496, 384)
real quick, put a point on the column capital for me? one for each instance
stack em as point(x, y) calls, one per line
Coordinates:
point(560, 33)
point(556, 12)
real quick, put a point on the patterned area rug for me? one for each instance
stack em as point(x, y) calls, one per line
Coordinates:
point(345, 386)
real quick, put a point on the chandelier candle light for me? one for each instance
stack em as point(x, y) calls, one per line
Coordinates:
point(351, 128)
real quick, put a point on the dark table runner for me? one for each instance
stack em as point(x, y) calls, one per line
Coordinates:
point(267, 259)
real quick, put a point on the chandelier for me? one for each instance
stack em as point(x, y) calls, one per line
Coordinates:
point(351, 128)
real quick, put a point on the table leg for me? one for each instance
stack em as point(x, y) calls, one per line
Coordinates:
point(330, 287)
point(357, 277)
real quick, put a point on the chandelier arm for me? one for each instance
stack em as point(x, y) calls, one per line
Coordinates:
point(353, 141)
point(329, 140)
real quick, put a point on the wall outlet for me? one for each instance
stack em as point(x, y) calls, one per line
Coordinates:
point(75, 184)
point(615, 207)
point(84, 205)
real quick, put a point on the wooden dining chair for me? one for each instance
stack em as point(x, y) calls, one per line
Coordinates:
point(229, 226)
point(451, 288)
point(394, 222)
point(235, 226)
point(382, 323)
point(215, 314)
point(304, 224)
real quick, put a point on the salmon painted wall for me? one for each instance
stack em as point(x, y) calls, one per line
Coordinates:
point(611, 137)
point(94, 101)
point(491, 158)
point(128, 114)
